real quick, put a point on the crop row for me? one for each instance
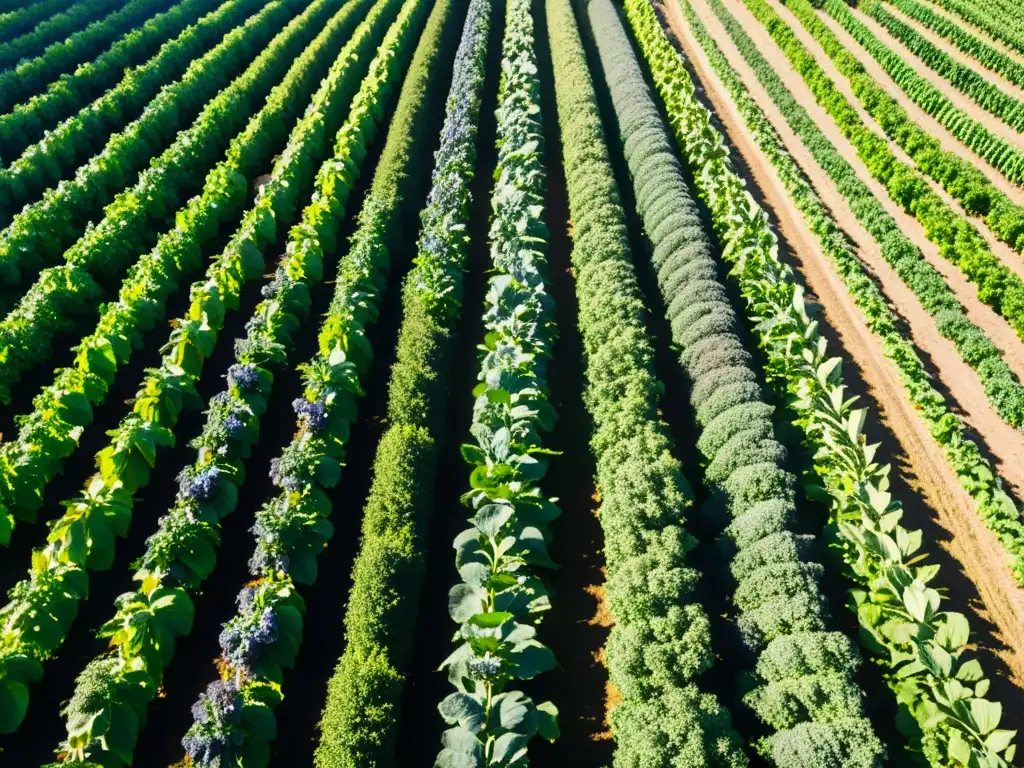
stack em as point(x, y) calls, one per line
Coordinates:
point(959, 177)
point(661, 639)
point(41, 232)
point(971, 44)
point(984, 15)
point(42, 607)
point(114, 690)
point(964, 78)
point(976, 473)
point(958, 241)
point(52, 429)
point(502, 596)
point(24, 123)
point(30, 76)
point(813, 704)
point(24, 16)
point(45, 31)
point(933, 677)
point(359, 723)
point(133, 221)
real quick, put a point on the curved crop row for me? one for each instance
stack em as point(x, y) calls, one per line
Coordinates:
point(661, 639)
point(43, 606)
point(61, 25)
point(115, 690)
point(502, 597)
point(936, 683)
point(813, 709)
point(1007, 30)
point(234, 720)
point(42, 231)
point(132, 222)
point(960, 178)
point(50, 432)
point(360, 720)
point(1007, 108)
point(976, 474)
point(974, 46)
point(25, 16)
point(32, 76)
point(957, 239)
point(23, 123)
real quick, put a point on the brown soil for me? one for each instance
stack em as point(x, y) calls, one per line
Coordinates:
point(995, 326)
point(935, 500)
point(957, 55)
point(959, 99)
point(976, 31)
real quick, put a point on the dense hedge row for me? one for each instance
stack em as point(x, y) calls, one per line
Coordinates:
point(138, 214)
point(23, 123)
point(22, 17)
point(957, 239)
point(502, 556)
point(779, 610)
point(52, 429)
point(974, 46)
point(360, 721)
point(83, 539)
point(661, 639)
point(32, 44)
point(976, 473)
point(29, 76)
point(940, 690)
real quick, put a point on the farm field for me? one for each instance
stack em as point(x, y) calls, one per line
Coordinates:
point(628, 383)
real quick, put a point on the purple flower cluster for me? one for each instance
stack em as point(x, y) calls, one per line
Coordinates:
point(315, 413)
point(282, 476)
point(244, 637)
point(198, 485)
point(234, 424)
point(219, 708)
point(243, 376)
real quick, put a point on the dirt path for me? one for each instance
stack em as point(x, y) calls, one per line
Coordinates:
point(977, 31)
point(967, 541)
point(995, 326)
point(960, 100)
point(957, 55)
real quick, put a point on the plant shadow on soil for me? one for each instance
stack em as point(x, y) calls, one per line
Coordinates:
point(905, 485)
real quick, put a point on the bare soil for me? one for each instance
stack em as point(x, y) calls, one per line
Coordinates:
point(936, 502)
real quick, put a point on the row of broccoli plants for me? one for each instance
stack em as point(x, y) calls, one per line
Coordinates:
point(976, 474)
point(940, 689)
point(43, 606)
point(39, 234)
point(988, 55)
point(640, 485)
point(964, 78)
point(998, 152)
point(51, 431)
point(26, 78)
point(798, 674)
point(982, 14)
point(957, 239)
point(24, 16)
point(661, 639)
point(499, 557)
point(360, 721)
point(24, 122)
point(135, 218)
point(958, 176)
point(114, 690)
point(32, 44)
